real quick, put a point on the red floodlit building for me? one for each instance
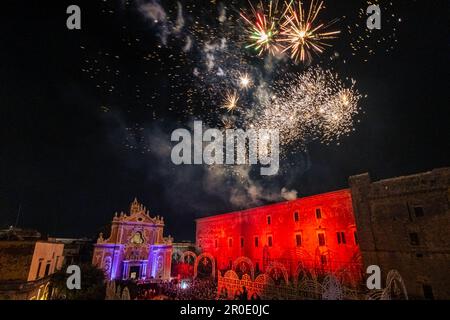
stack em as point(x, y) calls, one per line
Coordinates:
point(314, 234)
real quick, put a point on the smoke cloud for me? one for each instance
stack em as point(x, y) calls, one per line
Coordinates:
point(234, 186)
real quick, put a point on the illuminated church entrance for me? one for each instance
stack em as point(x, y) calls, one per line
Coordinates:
point(136, 248)
point(134, 272)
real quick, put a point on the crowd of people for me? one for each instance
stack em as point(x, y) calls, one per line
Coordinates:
point(238, 295)
point(197, 289)
point(192, 289)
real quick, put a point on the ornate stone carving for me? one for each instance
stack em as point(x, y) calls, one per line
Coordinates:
point(135, 242)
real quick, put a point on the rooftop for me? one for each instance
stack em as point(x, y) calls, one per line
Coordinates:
point(253, 210)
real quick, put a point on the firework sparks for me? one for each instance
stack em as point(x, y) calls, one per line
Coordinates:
point(313, 105)
point(301, 34)
point(262, 27)
point(227, 123)
point(229, 90)
point(366, 43)
point(231, 101)
point(245, 81)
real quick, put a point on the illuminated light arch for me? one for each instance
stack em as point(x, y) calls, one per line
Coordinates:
point(261, 279)
point(188, 254)
point(176, 256)
point(246, 277)
point(393, 280)
point(302, 253)
point(231, 274)
point(45, 292)
point(351, 272)
point(244, 260)
point(331, 288)
point(302, 270)
point(375, 295)
point(345, 277)
point(205, 256)
point(277, 265)
point(250, 289)
point(311, 289)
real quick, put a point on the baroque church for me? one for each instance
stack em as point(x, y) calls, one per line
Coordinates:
point(136, 248)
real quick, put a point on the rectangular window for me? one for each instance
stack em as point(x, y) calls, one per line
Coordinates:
point(321, 238)
point(414, 239)
point(216, 243)
point(269, 241)
point(340, 237)
point(428, 292)
point(269, 220)
point(298, 240)
point(256, 242)
point(230, 242)
point(318, 213)
point(47, 270)
point(296, 218)
point(38, 270)
point(242, 242)
point(418, 211)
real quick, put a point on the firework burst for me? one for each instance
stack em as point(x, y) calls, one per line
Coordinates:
point(312, 105)
point(231, 101)
point(262, 27)
point(301, 34)
point(245, 81)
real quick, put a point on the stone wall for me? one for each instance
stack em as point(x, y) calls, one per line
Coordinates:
point(287, 233)
point(403, 224)
point(15, 260)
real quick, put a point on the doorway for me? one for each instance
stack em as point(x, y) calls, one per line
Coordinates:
point(134, 272)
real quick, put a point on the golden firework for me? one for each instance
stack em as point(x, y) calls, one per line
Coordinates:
point(231, 101)
point(301, 34)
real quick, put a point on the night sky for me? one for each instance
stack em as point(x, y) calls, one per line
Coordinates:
point(72, 153)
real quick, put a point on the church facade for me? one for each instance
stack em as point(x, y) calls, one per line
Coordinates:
point(136, 248)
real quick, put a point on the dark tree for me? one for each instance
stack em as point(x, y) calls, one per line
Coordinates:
point(93, 285)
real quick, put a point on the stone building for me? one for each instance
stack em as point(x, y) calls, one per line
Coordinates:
point(404, 224)
point(400, 224)
point(27, 264)
point(136, 248)
point(76, 251)
point(309, 236)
